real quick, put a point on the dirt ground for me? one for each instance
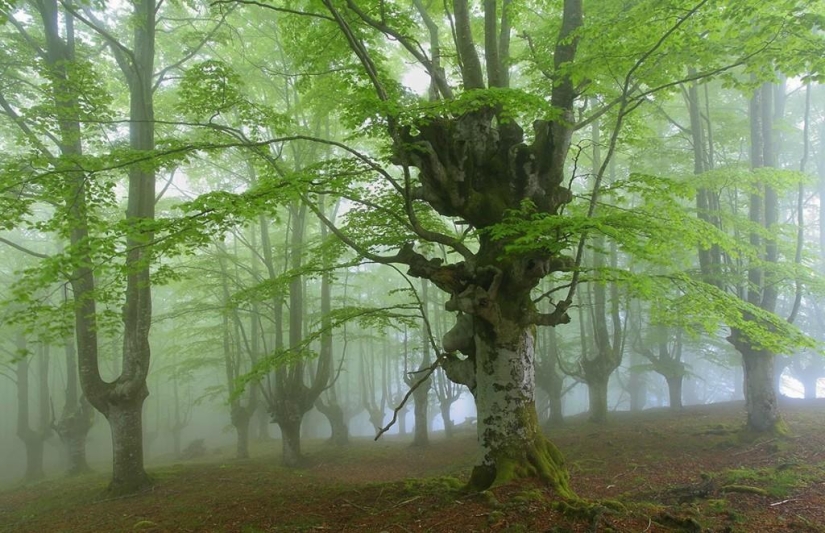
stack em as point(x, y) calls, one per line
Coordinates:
point(655, 471)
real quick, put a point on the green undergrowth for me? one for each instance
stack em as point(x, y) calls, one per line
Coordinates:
point(777, 482)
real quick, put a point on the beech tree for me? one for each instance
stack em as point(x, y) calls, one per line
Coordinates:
point(466, 155)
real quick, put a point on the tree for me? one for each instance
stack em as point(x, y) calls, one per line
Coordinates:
point(35, 437)
point(464, 156)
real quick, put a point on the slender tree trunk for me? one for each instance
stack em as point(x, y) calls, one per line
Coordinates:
point(33, 439)
point(421, 395)
point(446, 418)
point(738, 382)
point(76, 418)
point(421, 436)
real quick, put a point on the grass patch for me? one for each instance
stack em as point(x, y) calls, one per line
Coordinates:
point(776, 482)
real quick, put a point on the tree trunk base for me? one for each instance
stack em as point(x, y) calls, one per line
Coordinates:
point(131, 486)
point(542, 460)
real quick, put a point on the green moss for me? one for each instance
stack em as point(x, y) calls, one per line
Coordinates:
point(777, 482)
point(517, 459)
point(495, 517)
point(529, 496)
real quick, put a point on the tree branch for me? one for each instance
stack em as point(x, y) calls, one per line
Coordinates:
point(124, 56)
point(471, 67)
point(24, 249)
point(275, 8)
point(412, 46)
point(427, 373)
point(194, 51)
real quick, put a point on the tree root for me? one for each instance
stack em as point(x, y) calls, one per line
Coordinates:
point(745, 489)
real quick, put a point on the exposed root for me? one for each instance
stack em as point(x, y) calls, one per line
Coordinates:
point(744, 489)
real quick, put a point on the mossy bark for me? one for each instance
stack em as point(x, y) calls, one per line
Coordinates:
point(508, 430)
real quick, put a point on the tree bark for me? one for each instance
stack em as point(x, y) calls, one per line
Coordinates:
point(76, 418)
point(511, 441)
point(597, 397)
point(674, 389)
point(760, 397)
point(126, 421)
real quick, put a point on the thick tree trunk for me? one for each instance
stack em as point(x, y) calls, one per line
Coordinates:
point(597, 396)
point(674, 389)
point(508, 430)
point(73, 429)
point(291, 441)
point(128, 475)
point(760, 396)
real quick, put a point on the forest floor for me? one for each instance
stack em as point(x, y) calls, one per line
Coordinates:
point(655, 471)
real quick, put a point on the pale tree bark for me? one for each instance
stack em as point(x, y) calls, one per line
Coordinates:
point(763, 415)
